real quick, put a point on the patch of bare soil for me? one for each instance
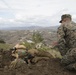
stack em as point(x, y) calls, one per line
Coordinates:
point(43, 67)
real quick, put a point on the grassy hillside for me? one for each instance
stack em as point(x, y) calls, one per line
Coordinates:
point(4, 46)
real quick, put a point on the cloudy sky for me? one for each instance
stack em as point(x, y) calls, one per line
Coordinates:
point(34, 12)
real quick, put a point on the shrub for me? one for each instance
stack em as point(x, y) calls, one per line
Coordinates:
point(2, 41)
point(37, 37)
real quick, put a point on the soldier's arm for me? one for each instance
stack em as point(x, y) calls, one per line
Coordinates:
point(61, 40)
point(60, 33)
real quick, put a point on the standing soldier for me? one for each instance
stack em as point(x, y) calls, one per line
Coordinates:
point(67, 41)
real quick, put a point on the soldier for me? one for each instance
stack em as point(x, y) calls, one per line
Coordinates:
point(35, 55)
point(67, 41)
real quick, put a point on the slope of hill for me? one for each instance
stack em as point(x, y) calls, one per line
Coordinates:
point(14, 36)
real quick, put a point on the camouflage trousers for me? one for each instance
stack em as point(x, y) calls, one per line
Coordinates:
point(42, 55)
point(69, 60)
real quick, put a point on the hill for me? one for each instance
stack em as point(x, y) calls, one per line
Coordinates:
point(14, 36)
point(29, 28)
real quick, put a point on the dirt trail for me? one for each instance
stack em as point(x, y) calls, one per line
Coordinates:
point(48, 67)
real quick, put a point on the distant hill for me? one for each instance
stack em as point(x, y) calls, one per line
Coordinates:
point(29, 28)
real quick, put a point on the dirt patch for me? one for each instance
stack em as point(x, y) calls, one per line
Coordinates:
point(43, 67)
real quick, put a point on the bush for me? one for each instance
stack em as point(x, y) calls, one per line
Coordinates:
point(37, 38)
point(2, 41)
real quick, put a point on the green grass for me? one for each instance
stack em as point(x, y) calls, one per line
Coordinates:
point(4, 46)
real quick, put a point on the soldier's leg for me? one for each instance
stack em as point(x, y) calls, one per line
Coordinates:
point(37, 59)
point(44, 54)
point(70, 57)
point(71, 66)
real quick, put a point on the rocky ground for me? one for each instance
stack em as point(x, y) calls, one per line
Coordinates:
point(43, 67)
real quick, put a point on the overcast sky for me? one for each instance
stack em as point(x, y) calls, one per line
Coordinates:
point(34, 12)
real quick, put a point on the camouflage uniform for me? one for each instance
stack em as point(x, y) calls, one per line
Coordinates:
point(66, 37)
point(67, 44)
point(39, 55)
point(69, 60)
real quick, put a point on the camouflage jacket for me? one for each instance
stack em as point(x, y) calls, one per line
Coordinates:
point(66, 36)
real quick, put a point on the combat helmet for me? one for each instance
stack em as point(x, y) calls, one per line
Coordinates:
point(65, 16)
